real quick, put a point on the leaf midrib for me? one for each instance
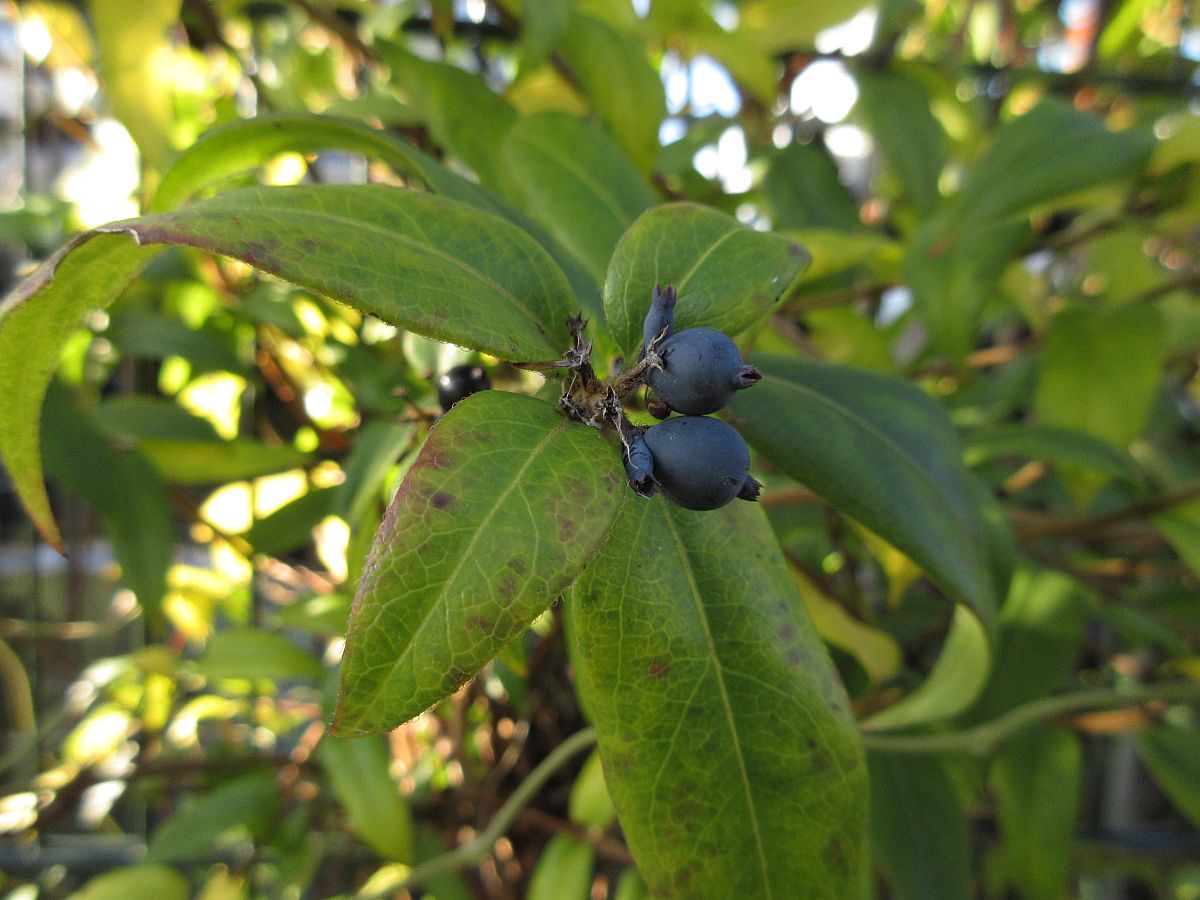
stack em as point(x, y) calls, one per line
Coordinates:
point(467, 554)
point(370, 226)
point(702, 617)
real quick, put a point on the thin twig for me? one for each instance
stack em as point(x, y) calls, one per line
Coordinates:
point(481, 845)
point(983, 739)
point(1094, 526)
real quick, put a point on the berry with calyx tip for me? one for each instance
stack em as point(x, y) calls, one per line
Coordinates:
point(700, 462)
point(700, 371)
point(461, 382)
point(661, 318)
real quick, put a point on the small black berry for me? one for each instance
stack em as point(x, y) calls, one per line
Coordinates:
point(459, 383)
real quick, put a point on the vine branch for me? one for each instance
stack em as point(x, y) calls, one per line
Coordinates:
point(982, 740)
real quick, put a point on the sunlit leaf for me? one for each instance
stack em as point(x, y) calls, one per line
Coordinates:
point(726, 739)
point(251, 653)
point(136, 60)
point(506, 501)
point(213, 461)
point(144, 882)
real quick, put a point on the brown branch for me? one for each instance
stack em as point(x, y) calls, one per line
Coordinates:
point(1095, 526)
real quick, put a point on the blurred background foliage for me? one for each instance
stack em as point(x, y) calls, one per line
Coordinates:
point(1003, 205)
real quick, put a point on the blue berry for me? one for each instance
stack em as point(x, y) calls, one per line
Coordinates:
point(700, 462)
point(701, 369)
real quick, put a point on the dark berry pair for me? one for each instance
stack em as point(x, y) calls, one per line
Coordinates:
point(698, 462)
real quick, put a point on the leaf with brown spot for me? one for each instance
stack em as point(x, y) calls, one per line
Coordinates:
point(429, 264)
point(683, 645)
point(430, 584)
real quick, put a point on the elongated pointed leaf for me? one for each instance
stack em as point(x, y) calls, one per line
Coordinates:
point(882, 452)
point(727, 276)
point(87, 272)
point(426, 263)
point(462, 113)
point(136, 57)
point(1052, 150)
point(503, 506)
point(726, 740)
point(576, 181)
point(239, 146)
point(360, 771)
point(612, 67)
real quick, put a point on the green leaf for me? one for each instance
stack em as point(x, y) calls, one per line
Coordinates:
point(134, 417)
point(577, 182)
point(564, 870)
point(954, 684)
point(425, 263)
point(727, 743)
point(211, 461)
point(590, 804)
point(462, 113)
point(157, 337)
point(919, 830)
point(144, 882)
point(1052, 444)
point(88, 272)
point(248, 803)
point(1051, 151)
point(1100, 370)
point(727, 276)
point(1037, 782)
point(121, 487)
point(882, 452)
point(785, 25)
point(611, 68)
point(896, 110)
point(1172, 754)
point(253, 653)
point(290, 526)
point(359, 770)
point(542, 25)
point(237, 147)
point(631, 887)
point(954, 274)
point(376, 448)
point(136, 59)
point(504, 504)
point(1040, 633)
point(804, 190)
